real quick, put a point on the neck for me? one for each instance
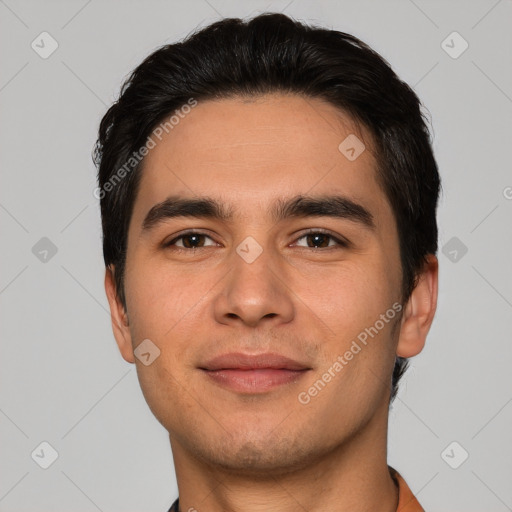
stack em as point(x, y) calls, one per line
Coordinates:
point(353, 477)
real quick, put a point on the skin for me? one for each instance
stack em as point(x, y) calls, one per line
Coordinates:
point(240, 452)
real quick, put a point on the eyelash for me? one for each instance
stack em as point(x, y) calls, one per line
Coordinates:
point(341, 243)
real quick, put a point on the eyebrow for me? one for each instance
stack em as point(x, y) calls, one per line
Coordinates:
point(300, 206)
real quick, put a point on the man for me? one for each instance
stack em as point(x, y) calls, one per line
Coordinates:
point(268, 197)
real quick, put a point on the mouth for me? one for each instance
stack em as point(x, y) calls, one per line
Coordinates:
point(252, 374)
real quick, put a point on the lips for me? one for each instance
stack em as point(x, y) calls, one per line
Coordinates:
point(245, 373)
point(240, 361)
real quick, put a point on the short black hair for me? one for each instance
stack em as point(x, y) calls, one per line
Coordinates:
point(272, 53)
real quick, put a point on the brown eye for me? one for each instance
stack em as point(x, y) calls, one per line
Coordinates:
point(320, 240)
point(190, 241)
point(193, 240)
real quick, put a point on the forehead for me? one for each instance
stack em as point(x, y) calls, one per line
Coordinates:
point(250, 151)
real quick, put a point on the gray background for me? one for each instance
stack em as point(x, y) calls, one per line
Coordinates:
point(62, 379)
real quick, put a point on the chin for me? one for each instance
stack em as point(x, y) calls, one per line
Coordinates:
point(259, 458)
point(254, 450)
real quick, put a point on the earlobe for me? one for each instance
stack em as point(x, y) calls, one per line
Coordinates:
point(119, 317)
point(419, 311)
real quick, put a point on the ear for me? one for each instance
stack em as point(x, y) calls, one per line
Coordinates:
point(419, 311)
point(119, 317)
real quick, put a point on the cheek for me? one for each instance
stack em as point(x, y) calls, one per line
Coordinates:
point(348, 297)
point(350, 301)
point(157, 299)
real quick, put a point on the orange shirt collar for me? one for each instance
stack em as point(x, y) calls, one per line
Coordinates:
point(406, 500)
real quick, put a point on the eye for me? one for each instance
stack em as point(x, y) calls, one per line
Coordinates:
point(316, 239)
point(190, 240)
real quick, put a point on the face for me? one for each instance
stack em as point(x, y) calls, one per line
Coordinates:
point(272, 278)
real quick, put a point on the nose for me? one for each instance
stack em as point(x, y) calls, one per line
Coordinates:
point(255, 291)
